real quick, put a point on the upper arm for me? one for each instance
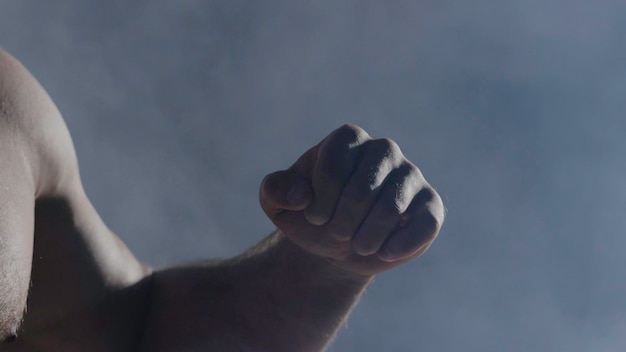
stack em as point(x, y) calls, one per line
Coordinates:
point(16, 237)
point(17, 196)
point(32, 143)
point(32, 123)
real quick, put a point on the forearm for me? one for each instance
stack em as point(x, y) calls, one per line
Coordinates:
point(306, 299)
point(275, 297)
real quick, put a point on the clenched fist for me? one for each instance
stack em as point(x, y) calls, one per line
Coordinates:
point(355, 201)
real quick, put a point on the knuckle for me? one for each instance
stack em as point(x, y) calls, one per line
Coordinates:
point(430, 226)
point(268, 187)
point(426, 195)
point(389, 144)
point(409, 171)
point(352, 129)
point(329, 170)
point(420, 230)
point(386, 146)
point(337, 155)
point(430, 209)
point(437, 208)
point(349, 134)
point(384, 151)
point(358, 194)
point(426, 225)
point(333, 170)
point(389, 208)
point(270, 180)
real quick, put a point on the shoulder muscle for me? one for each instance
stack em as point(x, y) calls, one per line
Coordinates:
point(31, 125)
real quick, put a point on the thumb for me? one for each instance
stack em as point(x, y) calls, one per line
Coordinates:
point(284, 191)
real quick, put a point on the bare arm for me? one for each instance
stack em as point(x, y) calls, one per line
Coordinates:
point(349, 208)
point(17, 197)
point(358, 208)
point(54, 248)
point(274, 298)
point(19, 182)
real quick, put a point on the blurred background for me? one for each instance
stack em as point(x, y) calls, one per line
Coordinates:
point(514, 110)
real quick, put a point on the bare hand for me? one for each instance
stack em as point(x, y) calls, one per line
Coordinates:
point(355, 201)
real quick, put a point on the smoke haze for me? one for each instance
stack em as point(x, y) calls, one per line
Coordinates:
point(514, 110)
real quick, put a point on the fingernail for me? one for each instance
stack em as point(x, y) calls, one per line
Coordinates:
point(315, 219)
point(386, 255)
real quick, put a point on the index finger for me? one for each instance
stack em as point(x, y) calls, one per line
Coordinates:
point(336, 159)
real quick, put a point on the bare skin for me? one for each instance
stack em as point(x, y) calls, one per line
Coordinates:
point(349, 208)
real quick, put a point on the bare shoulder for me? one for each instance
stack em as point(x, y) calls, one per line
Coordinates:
point(82, 287)
point(31, 124)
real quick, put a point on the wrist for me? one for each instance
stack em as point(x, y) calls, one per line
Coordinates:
point(321, 265)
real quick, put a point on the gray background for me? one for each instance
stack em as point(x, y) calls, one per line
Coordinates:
point(514, 110)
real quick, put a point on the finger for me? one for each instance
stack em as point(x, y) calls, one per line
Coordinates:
point(418, 228)
point(337, 157)
point(379, 157)
point(284, 191)
point(395, 197)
